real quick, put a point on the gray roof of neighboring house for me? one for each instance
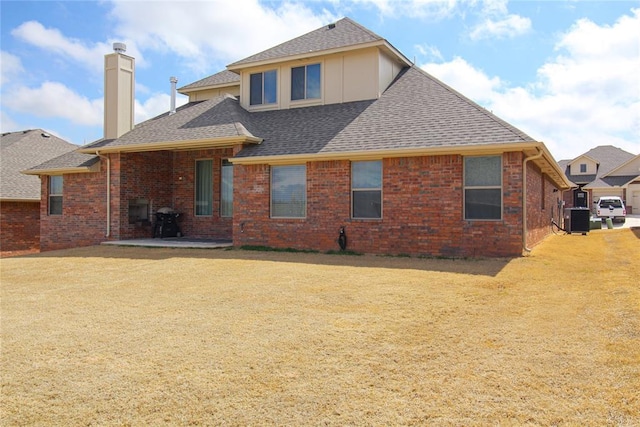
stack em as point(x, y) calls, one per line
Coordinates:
point(21, 151)
point(345, 33)
point(416, 111)
point(608, 158)
point(225, 77)
point(72, 159)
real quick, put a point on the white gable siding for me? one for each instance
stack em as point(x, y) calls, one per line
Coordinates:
point(592, 167)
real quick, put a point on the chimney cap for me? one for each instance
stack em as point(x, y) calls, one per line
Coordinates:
point(173, 79)
point(119, 47)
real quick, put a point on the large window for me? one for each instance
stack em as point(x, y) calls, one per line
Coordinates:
point(483, 188)
point(305, 82)
point(289, 191)
point(262, 87)
point(55, 195)
point(226, 190)
point(204, 187)
point(366, 189)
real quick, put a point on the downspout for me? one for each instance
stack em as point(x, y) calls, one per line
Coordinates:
point(108, 159)
point(524, 198)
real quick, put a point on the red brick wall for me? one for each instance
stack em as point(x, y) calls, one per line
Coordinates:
point(83, 219)
point(540, 210)
point(214, 226)
point(422, 210)
point(19, 226)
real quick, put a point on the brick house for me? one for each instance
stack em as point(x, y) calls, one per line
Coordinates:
point(335, 128)
point(603, 171)
point(20, 194)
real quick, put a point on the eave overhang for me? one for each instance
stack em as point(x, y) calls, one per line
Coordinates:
point(173, 145)
point(546, 163)
point(208, 87)
point(61, 171)
point(382, 44)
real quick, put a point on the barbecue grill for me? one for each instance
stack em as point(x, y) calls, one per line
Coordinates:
point(166, 224)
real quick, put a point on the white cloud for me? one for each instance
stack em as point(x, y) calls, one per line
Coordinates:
point(588, 95)
point(156, 105)
point(11, 67)
point(89, 55)
point(430, 9)
point(56, 100)
point(505, 27)
point(222, 31)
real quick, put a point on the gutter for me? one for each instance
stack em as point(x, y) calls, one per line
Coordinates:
point(524, 198)
point(108, 159)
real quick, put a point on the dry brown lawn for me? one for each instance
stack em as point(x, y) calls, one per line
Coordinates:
point(135, 336)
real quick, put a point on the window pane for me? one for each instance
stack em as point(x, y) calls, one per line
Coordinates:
point(270, 85)
point(366, 174)
point(55, 184)
point(313, 81)
point(297, 83)
point(55, 205)
point(483, 204)
point(255, 88)
point(204, 187)
point(289, 191)
point(367, 204)
point(482, 171)
point(226, 197)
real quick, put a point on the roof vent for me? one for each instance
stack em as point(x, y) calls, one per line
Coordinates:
point(119, 47)
point(45, 135)
point(331, 26)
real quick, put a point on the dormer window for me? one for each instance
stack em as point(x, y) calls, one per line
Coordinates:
point(305, 82)
point(583, 168)
point(263, 88)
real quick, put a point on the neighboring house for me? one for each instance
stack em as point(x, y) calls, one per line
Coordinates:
point(335, 128)
point(20, 194)
point(603, 171)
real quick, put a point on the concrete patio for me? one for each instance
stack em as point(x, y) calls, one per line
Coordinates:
point(173, 242)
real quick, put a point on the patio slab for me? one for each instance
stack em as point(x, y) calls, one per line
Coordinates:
point(174, 242)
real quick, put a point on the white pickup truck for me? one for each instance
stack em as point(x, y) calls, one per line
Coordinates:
point(611, 207)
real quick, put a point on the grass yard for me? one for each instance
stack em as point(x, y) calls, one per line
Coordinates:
point(139, 336)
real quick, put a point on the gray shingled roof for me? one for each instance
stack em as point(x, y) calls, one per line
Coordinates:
point(416, 111)
point(70, 160)
point(225, 77)
point(219, 117)
point(608, 158)
point(21, 151)
point(345, 33)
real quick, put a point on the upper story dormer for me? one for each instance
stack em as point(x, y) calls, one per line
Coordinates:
point(341, 62)
point(583, 165)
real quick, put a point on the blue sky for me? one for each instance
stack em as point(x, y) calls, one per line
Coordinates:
point(565, 72)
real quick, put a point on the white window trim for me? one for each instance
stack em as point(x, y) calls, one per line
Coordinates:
point(369, 189)
point(487, 187)
point(307, 101)
point(195, 188)
point(306, 195)
point(61, 195)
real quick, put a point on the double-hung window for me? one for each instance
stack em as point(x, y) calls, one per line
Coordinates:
point(226, 190)
point(366, 190)
point(204, 188)
point(305, 82)
point(55, 195)
point(289, 191)
point(483, 188)
point(263, 88)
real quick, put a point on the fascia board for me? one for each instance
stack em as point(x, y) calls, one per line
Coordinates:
point(377, 43)
point(174, 145)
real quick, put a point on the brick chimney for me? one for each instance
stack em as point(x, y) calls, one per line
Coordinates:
point(119, 86)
